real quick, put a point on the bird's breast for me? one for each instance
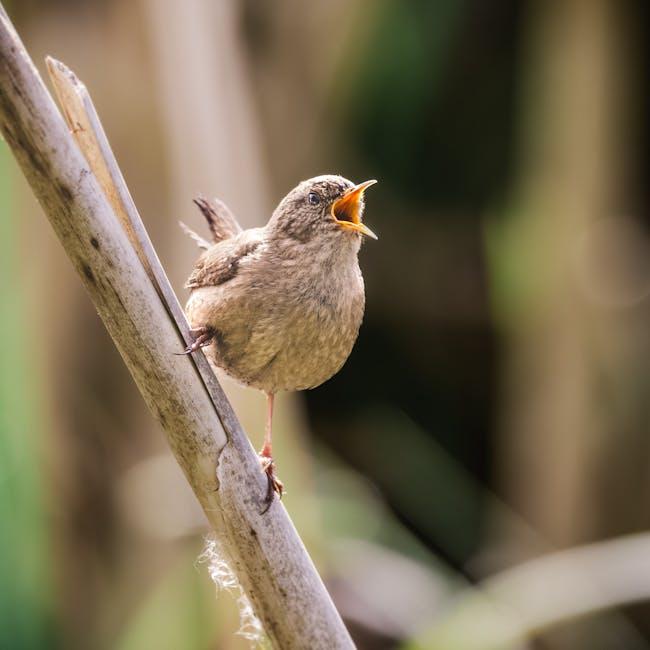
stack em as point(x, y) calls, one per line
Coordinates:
point(284, 326)
point(313, 322)
point(318, 337)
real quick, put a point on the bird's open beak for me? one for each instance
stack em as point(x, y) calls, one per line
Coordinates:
point(346, 210)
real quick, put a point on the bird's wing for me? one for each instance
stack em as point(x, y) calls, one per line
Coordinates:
point(221, 262)
point(221, 220)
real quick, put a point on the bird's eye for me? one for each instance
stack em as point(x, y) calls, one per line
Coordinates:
point(313, 198)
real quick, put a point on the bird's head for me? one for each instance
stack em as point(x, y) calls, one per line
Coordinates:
point(324, 206)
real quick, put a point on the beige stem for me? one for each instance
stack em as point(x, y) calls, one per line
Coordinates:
point(265, 551)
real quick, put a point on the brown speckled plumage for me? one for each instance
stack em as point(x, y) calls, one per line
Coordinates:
point(283, 303)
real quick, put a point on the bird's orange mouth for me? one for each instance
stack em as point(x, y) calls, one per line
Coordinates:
point(346, 210)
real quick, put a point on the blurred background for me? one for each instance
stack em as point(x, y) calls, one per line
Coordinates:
point(477, 474)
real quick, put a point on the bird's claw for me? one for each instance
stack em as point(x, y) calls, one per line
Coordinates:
point(201, 336)
point(275, 485)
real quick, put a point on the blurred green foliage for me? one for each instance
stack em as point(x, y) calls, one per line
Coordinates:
point(25, 592)
point(431, 100)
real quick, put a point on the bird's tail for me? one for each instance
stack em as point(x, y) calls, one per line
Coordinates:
point(200, 242)
point(221, 220)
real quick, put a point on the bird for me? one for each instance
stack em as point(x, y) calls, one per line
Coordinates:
point(279, 307)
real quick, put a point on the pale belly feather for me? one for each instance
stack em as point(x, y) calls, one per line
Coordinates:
point(295, 342)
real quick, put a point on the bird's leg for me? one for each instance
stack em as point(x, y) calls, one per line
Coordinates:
point(201, 336)
point(266, 457)
point(266, 451)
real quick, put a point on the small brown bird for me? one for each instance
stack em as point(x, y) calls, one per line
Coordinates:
point(279, 307)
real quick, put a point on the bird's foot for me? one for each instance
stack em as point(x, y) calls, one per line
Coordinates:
point(201, 336)
point(275, 485)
